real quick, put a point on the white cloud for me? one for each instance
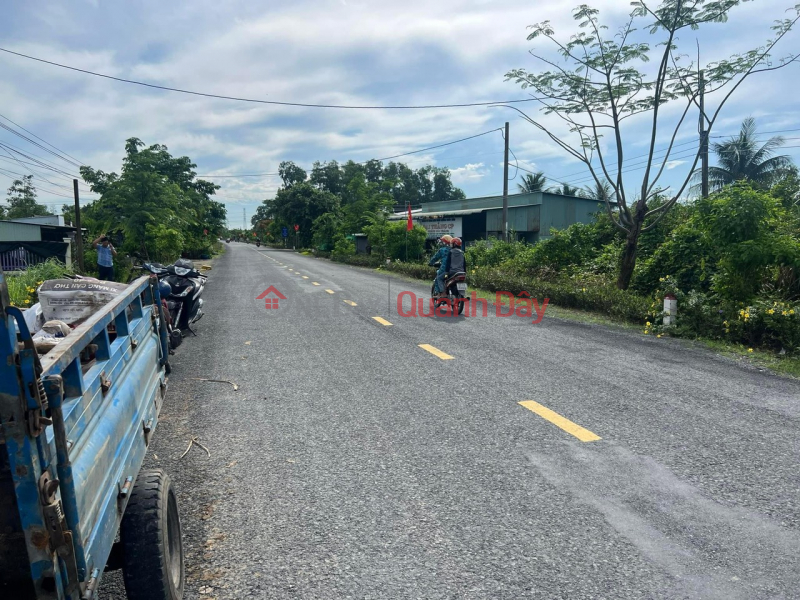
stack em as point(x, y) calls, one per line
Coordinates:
point(468, 172)
point(358, 52)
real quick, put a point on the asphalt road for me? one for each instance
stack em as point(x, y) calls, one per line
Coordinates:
point(353, 463)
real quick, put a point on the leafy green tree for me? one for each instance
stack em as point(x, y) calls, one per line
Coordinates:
point(787, 190)
point(327, 177)
point(291, 174)
point(325, 230)
point(301, 204)
point(742, 157)
point(532, 182)
point(154, 189)
point(391, 239)
point(361, 199)
point(745, 224)
point(598, 86)
point(21, 200)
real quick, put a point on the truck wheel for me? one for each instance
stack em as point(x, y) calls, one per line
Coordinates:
point(150, 534)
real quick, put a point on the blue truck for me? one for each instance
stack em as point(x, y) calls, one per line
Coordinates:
point(75, 424)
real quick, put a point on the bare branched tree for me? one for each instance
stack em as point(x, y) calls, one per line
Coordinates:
point(597, 86)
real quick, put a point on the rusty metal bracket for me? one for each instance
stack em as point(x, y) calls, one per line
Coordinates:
point(148, 428)
point(105, 384)
point(91, 587)
point(60, 537)
point(123, 492)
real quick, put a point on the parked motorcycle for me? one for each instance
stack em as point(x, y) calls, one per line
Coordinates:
point(184, 303)
point(455, 294)
point(165, 291)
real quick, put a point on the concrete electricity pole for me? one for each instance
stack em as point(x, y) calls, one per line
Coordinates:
point(703, 141)
point(505, 190)
point(78, 232)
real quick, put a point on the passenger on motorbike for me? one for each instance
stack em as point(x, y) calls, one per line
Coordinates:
point(442, 256)
point(458, 263)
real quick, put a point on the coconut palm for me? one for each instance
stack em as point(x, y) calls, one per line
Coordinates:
point(741, 157)
point(600, 191)
point(532, 183)
point(565, 190)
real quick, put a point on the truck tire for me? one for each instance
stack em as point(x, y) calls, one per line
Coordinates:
point(150, 535)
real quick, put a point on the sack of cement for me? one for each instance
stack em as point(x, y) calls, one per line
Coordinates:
point(50, 335)
point(73, 300)
point(34, 318)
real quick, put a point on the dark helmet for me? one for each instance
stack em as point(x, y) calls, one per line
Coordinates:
point(164, 288)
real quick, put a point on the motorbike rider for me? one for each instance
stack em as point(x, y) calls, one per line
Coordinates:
point(442, 256)
point(458, 263)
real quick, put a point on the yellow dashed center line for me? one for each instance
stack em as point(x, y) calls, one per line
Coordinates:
point(436, 351)
point(556, 419)
point(305, 276)
point(382, 321)
point(350, 302)
point(329, 291)
point(315, 283)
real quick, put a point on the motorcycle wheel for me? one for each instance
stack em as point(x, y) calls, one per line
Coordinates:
point(459, 300)
point(436, 300)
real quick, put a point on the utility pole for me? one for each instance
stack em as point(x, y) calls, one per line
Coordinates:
point(244, 219)
point(79, 232)
point(703, 141)
point(505, 190)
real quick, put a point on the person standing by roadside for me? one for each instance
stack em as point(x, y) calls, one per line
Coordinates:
point(105, 260)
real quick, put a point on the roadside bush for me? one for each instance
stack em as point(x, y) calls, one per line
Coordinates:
point(771, 323)
point(343, 248)
point(492, 253)
point(416, 270)
point(599, 297)
point(358, 260)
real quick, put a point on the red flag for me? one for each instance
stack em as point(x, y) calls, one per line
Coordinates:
point(410, 224)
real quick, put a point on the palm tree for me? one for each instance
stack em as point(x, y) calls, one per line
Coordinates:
point(532, 183)
point(600, 191)
point(740, 157)
point(565, 190)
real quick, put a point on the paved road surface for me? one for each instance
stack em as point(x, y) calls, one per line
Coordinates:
point(353, 463)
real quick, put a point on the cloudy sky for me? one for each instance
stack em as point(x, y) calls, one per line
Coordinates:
point(344, 52)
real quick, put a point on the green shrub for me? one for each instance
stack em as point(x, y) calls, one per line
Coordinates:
point(22, 286)
point(358, 260)
point(416, 270)
point(166, 244)
point(770, 323)
point(598, 297)
point(343, 248)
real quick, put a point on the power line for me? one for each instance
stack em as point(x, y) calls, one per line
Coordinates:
point(367, 161)
point(36, 160)
point(274, 102)
point(35, 170)
point(38, 188)
point(581, 175)
point(38, 145)
point(38, 138)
